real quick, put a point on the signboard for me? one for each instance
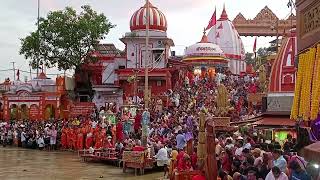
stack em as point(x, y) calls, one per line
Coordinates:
point(279, 103)
point(81, 109)
point(221, 121)
point(133, 156)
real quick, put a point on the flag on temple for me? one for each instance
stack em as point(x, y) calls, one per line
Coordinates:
point(255, 45)
point(212, 21)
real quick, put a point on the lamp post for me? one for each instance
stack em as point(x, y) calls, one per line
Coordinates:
point(146, 60)
point(146, 114)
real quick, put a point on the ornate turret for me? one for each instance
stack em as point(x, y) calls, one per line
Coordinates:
point(224, 15)
point(225, 35)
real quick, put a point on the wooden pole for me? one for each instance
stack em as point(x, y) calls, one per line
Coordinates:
point(211, 161)
point(146, 77)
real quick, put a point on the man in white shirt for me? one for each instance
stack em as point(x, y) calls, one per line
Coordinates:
point(239, 148)
point(162, 158)
point(276, 174)
point(23, 139)
point(40, 142)
point(279, 160)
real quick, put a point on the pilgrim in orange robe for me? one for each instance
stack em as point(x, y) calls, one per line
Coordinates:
point(89, 139)
point(64, 142)
point(80, 140)
point(98, 142)
point(119, 131)
point(69, 138)
point(74, 139)
point(113, 130)
point(103, 133)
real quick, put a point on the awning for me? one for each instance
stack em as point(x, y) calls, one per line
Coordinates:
point(312, 152)
point(275, 121)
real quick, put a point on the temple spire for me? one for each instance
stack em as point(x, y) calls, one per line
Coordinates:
point(204, 38)
point(224, 15)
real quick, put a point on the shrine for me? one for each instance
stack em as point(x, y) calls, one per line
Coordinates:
point(118, 76)
point(206, 58)
point(226, 36)
point(38, 99)
point(159, 43)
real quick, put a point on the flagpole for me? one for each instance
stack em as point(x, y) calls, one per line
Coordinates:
point(215, 26)
point(38, 33)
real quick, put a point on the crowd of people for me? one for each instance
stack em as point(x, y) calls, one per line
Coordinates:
point(169, 130)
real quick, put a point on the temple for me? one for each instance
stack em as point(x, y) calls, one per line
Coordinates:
point(205, 58)
point(37, 99)
point(225, 35)
point(283, 71)
point(118, 76)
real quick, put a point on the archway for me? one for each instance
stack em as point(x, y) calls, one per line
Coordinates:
point(49, 112)
point(13, 112)
point(24, 111)
point(34, 112)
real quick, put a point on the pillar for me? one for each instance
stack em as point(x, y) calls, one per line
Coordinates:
point(6, 109)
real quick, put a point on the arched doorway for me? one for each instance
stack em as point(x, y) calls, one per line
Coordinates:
point(13, 112)
point(34, 112)
point(49, 112)
point(24, 111)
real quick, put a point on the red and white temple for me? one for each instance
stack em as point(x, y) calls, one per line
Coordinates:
point(283, 71)
point(37, 99)
point(119, 76)
point(225, 35)
point(205, 57)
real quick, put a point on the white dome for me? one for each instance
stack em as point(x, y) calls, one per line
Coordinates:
point(203, 49)
point(226, 36)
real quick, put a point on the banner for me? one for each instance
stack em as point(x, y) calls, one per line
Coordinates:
point(81, 109)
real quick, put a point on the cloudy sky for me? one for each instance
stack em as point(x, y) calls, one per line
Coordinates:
point(186, 20)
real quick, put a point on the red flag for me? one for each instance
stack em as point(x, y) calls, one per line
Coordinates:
point(255, 45)
point(213, 20)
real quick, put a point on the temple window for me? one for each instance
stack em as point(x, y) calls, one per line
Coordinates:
point(289, 60)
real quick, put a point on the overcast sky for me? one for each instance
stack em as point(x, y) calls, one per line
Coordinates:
point(186, 20)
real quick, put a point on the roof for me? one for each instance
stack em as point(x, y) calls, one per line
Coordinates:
point(275, 121)
point(157, 20)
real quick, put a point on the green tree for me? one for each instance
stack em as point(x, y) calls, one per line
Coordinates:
point(249, 59)
point(65, 39)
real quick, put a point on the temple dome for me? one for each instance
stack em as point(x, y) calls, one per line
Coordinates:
point(204, 53)
point(224, 34)
point(157, 20)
